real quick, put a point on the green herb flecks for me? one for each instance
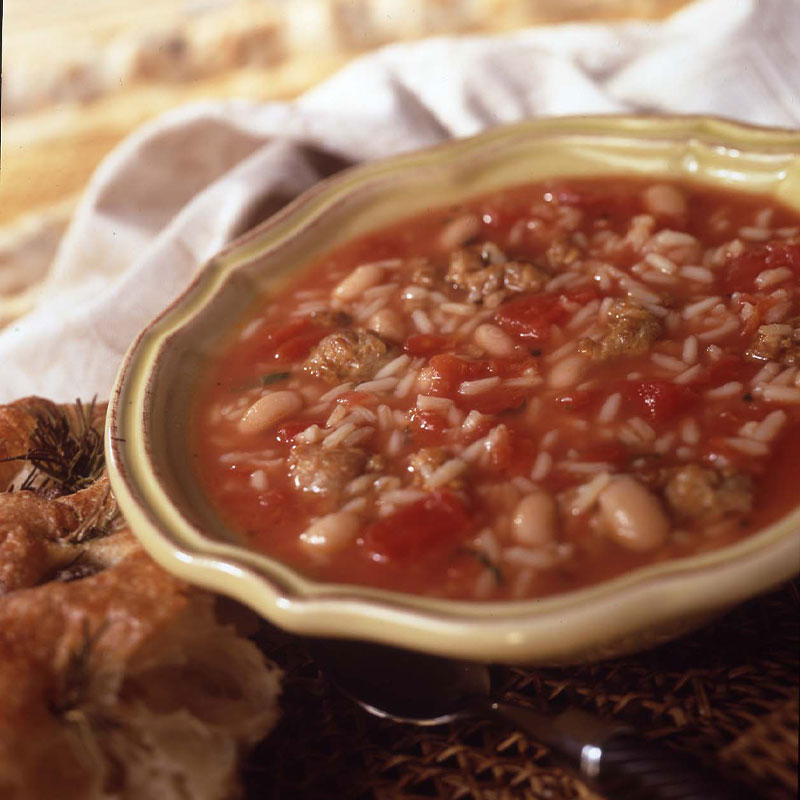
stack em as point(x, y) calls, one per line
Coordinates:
point(264, 380)
point(487, 563)
point(274, 377)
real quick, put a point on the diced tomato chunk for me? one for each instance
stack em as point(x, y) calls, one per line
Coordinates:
point(429, 529)
point(494, 401)
point(511, 367)
point(451, 371)
point(531, 316)
point(426, 344)
point(661, 400)
point(513, 454)
point(292, 342)
point(761, 304)
point(581, 296)
point(783, 254)
point(575, 400)
point(428, 427)
point(297, 349)
point(278, 336)
point(741, 271)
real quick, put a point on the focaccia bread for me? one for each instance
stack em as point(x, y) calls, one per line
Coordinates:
point(117, 681)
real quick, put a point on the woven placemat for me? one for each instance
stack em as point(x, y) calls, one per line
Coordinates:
point(727, 693)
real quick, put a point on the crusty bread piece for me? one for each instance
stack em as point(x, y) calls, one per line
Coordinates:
point(42, 535)
point(117, 681)
point(17, 422)
point(38, 536)
point(124, 685)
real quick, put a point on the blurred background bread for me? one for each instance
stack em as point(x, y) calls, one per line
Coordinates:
point(79, 75)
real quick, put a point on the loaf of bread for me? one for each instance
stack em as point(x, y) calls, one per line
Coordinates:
point(117, 681)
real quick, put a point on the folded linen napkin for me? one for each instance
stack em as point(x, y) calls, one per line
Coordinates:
point(176, 191)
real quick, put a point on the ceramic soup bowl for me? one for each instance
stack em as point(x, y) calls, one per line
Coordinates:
point(147, 431)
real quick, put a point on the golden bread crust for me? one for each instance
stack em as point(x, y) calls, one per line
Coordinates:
point(42, 632)
point(37, 535)
point(117, 681)
point(17, 423)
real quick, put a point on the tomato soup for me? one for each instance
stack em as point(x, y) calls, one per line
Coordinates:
point(519, 395)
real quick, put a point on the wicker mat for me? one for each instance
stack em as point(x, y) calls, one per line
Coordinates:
point(728, 694)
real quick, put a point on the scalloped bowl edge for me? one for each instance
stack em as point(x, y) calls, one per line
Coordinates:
point(633, 611)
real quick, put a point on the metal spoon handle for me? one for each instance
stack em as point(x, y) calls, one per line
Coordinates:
point(618, 762)
point(629, 768)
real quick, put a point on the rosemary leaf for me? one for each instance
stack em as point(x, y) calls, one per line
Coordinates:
point(66, 455)
point(75, 686)
point(102, 521)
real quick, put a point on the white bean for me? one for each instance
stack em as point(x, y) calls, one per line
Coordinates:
point(567, 372)
point(358, 281)
point(269, 409)
point(494, 340)
point(662, 199)
point(535, 520)
point(633, 514)
point(331, 532)
point(388, 324)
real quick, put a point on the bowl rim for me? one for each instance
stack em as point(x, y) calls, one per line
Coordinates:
point(539, 628)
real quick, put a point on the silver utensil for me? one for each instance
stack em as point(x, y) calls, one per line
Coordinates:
point(428, 690)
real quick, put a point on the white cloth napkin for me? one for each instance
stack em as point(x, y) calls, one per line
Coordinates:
point(177, 190)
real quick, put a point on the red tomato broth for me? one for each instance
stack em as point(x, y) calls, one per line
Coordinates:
point(272, 518)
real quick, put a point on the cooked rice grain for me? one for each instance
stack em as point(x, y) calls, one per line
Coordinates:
point(393, 367)
point(610, 408)
point(541, 466)
point(729, 389)
point(478, 386)
point(338, 436)
point(772, 277)
point(751, 447)
point(699, 308)
point(778, 394)
point(699, 274)
point(770, 426)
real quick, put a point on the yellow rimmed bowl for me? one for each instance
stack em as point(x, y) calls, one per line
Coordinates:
point(147, 449)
